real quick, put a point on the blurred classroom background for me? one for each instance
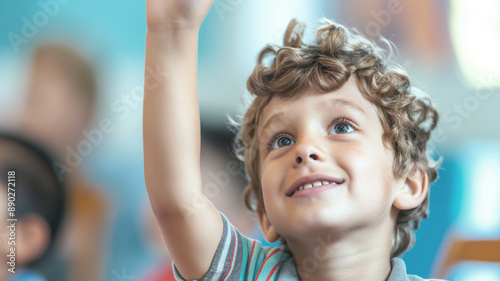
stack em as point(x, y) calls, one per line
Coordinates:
point(450, 49)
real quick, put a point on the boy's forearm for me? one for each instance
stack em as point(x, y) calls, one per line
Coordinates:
point(171, 124)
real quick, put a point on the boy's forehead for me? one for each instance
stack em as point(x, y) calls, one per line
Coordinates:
point(278, 108)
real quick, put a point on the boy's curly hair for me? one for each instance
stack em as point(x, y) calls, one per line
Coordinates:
point(407, 119)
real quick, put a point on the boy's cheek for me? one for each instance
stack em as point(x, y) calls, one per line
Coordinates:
point(272, 182)
point(269, 180)
point(355, 159)
point(365, 166)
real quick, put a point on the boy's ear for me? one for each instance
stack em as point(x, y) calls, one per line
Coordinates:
point(267, 228)
point(414, 190)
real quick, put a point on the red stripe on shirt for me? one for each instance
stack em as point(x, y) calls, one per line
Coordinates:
point(232, 256)
point(264, 263)
point(272, 272)
point(250, 258)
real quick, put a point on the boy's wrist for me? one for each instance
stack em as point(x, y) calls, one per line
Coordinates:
point(169, 39)
point(173, 32)
point(173, 27)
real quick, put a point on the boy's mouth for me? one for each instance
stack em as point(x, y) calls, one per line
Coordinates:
point(312, 181)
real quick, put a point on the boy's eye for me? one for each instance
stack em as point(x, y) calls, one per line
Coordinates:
point(280, 141)
point(341, 128)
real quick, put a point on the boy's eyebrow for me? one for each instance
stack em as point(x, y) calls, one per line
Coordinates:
point(334, 104)
point(341, 102)
point(272, 120)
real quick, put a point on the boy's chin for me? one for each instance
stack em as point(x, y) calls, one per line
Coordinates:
point(315, 223)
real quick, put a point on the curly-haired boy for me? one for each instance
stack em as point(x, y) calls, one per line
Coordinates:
point(334, 145)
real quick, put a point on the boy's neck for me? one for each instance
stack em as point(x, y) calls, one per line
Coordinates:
point(364, 255)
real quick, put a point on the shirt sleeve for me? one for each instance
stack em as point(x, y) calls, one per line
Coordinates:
point(240, 258)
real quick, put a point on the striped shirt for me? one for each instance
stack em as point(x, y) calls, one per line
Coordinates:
point(241, 258)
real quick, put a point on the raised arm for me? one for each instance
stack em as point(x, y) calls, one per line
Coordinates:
point(190, 224)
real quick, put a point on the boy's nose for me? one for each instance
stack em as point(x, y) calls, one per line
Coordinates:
point(311, 156)
point(306, 151)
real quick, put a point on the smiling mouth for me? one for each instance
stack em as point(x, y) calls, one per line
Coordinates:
point(313, 181)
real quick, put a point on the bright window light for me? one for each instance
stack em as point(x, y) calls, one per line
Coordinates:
point(475, 36)
point(480, 208)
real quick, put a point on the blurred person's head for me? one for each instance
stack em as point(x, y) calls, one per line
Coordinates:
point(29, 181)
point(61, 96)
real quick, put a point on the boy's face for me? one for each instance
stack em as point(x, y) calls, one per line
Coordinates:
point(335, 140)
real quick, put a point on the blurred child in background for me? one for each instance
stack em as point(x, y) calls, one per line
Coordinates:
point(59, 109)
point(38, 196)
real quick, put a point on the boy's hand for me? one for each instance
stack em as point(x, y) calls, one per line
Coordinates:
point(164, 15)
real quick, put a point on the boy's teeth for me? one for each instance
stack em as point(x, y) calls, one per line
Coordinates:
point(316, 183)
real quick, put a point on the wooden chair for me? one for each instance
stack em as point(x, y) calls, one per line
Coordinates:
point(460, 250)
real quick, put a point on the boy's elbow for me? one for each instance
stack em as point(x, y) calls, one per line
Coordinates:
point(167, 200)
